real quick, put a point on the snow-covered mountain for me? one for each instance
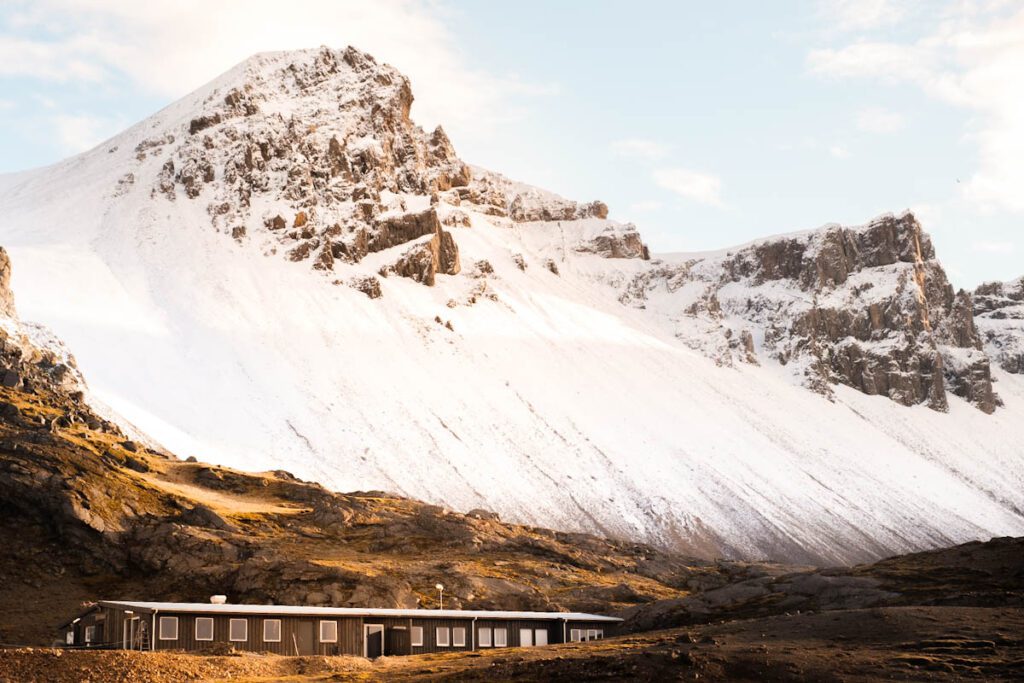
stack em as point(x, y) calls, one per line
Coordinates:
point(282, 271)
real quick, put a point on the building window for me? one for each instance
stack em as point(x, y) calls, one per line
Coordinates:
point(500, 637)
point(204, 628)
point(271, 630)
point(485, 636)
point(540, 636)
point(328, 631)
point(416, 636)
point(238, 630)
point(459, 637)
point(526, 637)
point(168, 628)
point(595, 634)
point(442, 636)
point(90, 634)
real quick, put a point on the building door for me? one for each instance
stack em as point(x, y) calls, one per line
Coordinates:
point(130, 634)
point(396, 641)
point(373, 640)
point(304, 637)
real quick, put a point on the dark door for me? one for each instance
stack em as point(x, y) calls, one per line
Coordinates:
point(304, 638)
point(397, 642)
point(374, 641)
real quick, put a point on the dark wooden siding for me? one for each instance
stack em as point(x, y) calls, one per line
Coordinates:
point(430, 627)
point(603, 626)
point(350, 640)
point(512, 626)
point(350, 632)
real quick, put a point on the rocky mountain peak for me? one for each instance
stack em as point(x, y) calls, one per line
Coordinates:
point(866, 306)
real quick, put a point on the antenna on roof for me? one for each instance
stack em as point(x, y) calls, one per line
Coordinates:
point(218, 599)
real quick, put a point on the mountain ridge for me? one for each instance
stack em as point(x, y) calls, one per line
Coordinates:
point(292, 330)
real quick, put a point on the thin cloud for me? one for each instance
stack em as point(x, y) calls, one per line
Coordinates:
point(992, 247)
point(839, 152)
point(858, 15)
point(971, 58)
point(646, 206)
point(639, 148)
point(697, 186)
point(880, 120)
point(163, 49)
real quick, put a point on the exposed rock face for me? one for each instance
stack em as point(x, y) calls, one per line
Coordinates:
point(868, 307)
point(525, 203)
point(31, 357)
point(999, 311)
point(346, 153)
point(6, 296)
point(424, 261)
point(616, 242)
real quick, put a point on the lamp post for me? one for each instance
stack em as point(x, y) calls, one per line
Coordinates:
point(440, 595)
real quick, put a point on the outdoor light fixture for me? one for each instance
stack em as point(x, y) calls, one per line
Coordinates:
point(440, 595)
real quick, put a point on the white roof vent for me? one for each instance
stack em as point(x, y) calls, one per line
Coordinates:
point(218, 599)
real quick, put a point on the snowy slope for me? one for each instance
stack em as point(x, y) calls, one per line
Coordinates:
point(547, 400)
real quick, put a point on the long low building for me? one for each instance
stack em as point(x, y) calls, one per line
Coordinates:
point(297, 630)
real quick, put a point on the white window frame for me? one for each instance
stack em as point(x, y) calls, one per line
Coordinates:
point(163, 630)
point(526, 637)
point(501, 637)
point(212, 625)
point(459, 636)
point(268, 622)
point(231, 630)
point(484, 636)
point(442, 636)
point(538, 635)
point(328, 622)
point(416, 636)
point(574, 635)
point(595, 634)
point(90, 634)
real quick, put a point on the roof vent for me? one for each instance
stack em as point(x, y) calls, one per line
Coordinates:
point(218, 599)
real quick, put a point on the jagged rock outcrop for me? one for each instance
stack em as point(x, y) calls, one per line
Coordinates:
point(869, 307)
point(424, 261)
point(525, 203)
point(344, 160)
point(30, 356)
point(616, 242)
point(999, 313)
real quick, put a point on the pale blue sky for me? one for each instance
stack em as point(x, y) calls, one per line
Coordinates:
point(706, 124)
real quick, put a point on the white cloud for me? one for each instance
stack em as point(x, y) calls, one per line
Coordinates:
point(79, 133)
point(839, 152)
point(704, 188)
point(991, 247)
point(6, 104)
point(172, 48)
point(639, 148)
point(973, 57)
point(880, 120)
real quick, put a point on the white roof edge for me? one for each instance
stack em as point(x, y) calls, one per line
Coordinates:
point(349, 611)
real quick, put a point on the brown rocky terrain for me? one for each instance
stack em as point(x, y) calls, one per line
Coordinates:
point(925, 639)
